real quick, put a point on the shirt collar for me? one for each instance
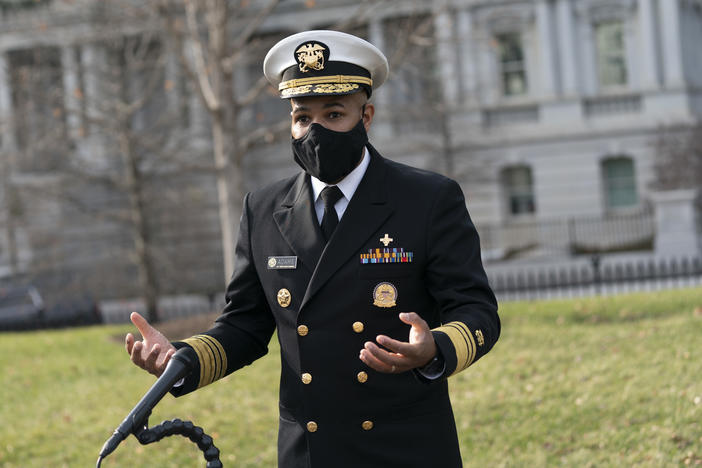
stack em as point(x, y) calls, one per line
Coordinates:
point(348, 184)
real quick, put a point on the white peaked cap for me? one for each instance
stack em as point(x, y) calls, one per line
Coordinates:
point(324, 62)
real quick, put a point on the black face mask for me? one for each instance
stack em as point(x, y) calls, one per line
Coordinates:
point(328, 155)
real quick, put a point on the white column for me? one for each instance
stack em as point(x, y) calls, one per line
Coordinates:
point(589, 77)
point(632, 51)
point(447, 57)
point(9, 143)
point(649, 52)
point(547, 55)
point(464, 37)
point(672, 46)
point(489, 79)
point(568, 51)
point(71, 91)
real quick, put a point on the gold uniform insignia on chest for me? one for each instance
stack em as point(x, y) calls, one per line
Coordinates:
point(384, 295)
point(284, 297)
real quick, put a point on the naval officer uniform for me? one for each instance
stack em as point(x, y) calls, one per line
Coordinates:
point(404, 243)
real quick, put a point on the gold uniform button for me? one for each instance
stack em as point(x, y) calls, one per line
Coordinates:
point(362, 377)
point(358, 327)
point(367, 425)
point(306, 378)
point(312, 426)
point(302, 330)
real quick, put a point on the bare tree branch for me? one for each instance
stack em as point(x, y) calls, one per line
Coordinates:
point(201, 67)
point(245, 36)
point(267, 134)
point(254, 92)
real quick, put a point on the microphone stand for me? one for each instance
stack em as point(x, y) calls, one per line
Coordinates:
point(138, 419)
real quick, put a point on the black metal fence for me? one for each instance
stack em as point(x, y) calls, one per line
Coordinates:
point(598, 276)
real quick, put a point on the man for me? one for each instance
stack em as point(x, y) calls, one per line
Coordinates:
point(369, 270)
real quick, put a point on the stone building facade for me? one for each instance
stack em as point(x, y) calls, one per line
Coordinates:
point(546, 111)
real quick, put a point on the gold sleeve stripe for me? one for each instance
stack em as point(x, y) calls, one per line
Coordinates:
point(325, 79)
point(213, 360)
point(463, 343)
point(196, 345)
point(219, 354)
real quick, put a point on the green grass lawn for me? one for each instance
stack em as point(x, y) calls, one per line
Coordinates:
point(614, 381)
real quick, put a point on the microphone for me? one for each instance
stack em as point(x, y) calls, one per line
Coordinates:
point(180, 365)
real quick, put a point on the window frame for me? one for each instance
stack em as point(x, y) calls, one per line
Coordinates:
point(605, 56)
point(520, 192)
point(613, 183)
point(513, 66)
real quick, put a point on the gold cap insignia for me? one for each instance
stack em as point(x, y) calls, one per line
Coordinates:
point(311, 56)
point(384, 295)
point(284, 297)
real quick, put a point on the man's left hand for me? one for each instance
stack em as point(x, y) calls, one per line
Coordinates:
point(403, 356)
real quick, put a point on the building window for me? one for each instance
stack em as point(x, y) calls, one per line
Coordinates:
point(619, 182)
point(611, 54)
point(518, 187)
point(512, 64)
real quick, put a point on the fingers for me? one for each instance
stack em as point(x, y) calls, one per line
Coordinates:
point(152, 358)
point(412, 318)
point(395, 346)
point(169, 354)
point(129, 343)
point(380, 360)
point(135, 354)
point(142, 325)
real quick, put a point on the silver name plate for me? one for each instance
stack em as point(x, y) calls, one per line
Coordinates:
point(282, 263)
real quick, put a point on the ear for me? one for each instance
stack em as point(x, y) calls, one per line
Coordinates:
point(368, 113)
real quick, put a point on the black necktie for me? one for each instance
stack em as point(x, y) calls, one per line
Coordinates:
point(330, 195)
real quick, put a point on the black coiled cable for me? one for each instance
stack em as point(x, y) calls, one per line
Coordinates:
point(186, 429)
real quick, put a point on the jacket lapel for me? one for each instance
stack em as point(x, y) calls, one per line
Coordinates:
point(298, 224)
point(367, 210)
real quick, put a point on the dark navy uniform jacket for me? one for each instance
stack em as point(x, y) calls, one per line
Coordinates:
point(334, 410)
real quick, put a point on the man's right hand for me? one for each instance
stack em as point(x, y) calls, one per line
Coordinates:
point(153, 353)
